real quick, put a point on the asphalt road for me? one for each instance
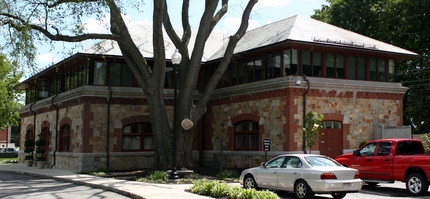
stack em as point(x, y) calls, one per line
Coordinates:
point(15, 186)
point(382, 191)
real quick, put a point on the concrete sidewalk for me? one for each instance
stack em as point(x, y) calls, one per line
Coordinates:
point(131, 189)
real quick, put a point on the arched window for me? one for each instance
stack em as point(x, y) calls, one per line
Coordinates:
point(29, 135)
point(246, 135)
point(137, 137)
point(65, 138)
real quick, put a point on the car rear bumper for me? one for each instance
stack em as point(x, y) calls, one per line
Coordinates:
point(328, 186)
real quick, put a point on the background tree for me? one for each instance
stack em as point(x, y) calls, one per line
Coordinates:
point(404, 23)
point(61, 20)
point(9, 98)
point(312, 129)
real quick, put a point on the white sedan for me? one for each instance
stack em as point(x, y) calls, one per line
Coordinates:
point(303, 174)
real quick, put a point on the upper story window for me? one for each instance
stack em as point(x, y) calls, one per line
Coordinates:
point(291, 62)
point(254, 70)
point(357, 67)
point(120, 75)
point(335, 65)
point(100, 70)
point(312, 63)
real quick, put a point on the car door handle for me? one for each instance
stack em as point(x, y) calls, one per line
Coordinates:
point(387, 160)
point(369, 159)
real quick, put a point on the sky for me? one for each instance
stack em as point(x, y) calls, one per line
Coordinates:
point(264, 12)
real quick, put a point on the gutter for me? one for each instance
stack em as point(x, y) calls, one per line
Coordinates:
point(34, 121)
point(56, 129)
point(108, 126)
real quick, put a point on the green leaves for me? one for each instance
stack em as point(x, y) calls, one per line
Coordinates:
point(312, 127)
point(9, 98)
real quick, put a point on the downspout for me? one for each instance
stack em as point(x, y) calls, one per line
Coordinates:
point(304, 111)
point(108, 126)
point(34, 121)
point(56, 129)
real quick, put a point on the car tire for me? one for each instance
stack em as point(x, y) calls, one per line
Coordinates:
point(416, 184)
point(249, 182)
point(302, 190)
point(372, 184)
point(338, 195)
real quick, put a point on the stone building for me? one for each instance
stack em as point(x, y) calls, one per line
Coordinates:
point(89, 108)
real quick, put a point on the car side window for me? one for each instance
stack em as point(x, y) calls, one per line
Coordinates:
point(384, 148)
point(369, 149)
point(292, 162)
point(276, 163)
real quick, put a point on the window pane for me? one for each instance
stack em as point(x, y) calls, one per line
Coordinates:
point(381, 70)
point(361, 68)
point(241, 141)
point(131, 143)
point(241, 74)
point(317, 64)
point(331, 72)
point(287, 62)
point(100, 73)
point(148, 128)
point(306, 63)
point(253, 141)
point(148, 143)
point(115, 74)
point(250, 74)
point(352, 67)
point(234, 74)
point(258, 69)
point(337, 125)
point(372, 68)
point(241, 126)
point(276, 66)
point(127, 76)
point(340, 66)
point(294, 61)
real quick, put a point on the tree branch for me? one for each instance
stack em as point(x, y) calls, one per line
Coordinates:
point(55, 37)
point(228, 54)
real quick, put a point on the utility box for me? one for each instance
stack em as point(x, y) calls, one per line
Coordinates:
point(392, 132)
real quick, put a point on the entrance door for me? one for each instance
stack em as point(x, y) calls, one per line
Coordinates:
point(332, 139)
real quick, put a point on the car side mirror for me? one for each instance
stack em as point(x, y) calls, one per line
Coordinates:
point(356, 153)
point(263, 164)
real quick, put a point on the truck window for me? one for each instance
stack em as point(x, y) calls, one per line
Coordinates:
point(384, 148)
point(369, 149)
point(409, 147)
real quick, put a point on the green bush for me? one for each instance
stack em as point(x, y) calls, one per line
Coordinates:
point(219, 189)
point(227, 174)
point(159, 176)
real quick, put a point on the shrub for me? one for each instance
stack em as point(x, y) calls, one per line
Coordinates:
point(219, 189)
point(158, 176)
point(227, 174)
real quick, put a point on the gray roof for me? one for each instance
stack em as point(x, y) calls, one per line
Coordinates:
point(297, 28)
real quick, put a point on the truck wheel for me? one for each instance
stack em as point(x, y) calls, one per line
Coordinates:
point(416, 184)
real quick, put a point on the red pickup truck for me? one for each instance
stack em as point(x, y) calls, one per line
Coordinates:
point(392, 160)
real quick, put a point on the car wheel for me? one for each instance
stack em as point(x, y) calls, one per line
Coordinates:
point(416, 184)
point(249, 182)
point(338, 195)
point(302, 190)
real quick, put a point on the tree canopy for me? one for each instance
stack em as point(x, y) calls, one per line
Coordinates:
point(61, 20)
point(9, 97)
point(404, 23)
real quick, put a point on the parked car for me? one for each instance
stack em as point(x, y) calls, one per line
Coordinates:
point(392, 160)
point(9, 151)
point(303, 174)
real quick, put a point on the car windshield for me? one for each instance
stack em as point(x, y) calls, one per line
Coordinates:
point(318, 161)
